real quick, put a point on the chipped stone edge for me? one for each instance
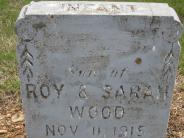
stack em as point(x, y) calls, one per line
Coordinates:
point(22, 13)
point(178, 22)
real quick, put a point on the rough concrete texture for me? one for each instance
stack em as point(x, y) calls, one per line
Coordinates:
point(97, 69)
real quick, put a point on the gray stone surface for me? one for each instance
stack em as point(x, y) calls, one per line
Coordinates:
point(97, 69)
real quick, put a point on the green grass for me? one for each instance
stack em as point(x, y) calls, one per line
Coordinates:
point(9, 10)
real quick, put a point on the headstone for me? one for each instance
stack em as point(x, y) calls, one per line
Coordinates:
point(97, 69)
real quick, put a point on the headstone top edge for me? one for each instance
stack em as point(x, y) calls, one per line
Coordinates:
point(88, 8)
point(98, 8)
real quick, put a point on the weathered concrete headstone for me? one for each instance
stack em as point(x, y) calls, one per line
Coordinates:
point(97, 69)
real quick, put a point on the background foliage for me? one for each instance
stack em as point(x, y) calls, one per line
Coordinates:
point(9, 10)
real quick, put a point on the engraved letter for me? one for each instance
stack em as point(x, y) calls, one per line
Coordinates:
point(148, 92)
point(121, 132)
point(31, 88)
point(140, 130)
point(132, 130)
point(124, 131)
point(74, 130)
point(50, 130)
point(119, 112)
point(120, 92)
point(82, 93)
point(93, 112)
point(62, 130)
point(44, 90)
point(108, 91)
point(106, 110)
point(98, 131)
point(134, 92)
point(76, 111)
point(58, 89)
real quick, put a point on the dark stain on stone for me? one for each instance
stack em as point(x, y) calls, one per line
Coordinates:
point(138, 60)
point(28, 40)
point(39, 25)
point(132, 8)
